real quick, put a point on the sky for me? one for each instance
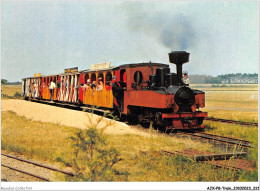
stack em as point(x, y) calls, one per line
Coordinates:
point(46, 37)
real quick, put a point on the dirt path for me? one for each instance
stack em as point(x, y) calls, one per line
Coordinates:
point(63, 116)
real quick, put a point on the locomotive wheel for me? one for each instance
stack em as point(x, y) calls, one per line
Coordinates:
point(122, 117)
point(157, 119)
point(116, 113)
point(132, 120)
point(162, 128)
point(200, 120)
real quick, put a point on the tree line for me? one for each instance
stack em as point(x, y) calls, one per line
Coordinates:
point(5, 82)
point(225, 79)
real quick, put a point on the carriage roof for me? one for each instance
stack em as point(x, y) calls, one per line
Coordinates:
point(104, 69)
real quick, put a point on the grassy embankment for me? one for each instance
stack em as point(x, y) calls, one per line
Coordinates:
point(47, 141)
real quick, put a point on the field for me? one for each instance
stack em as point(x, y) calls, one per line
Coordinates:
point(10, 90)
point(236, 102)
point(141, 156)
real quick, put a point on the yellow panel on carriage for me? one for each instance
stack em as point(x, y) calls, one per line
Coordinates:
point(47, 94)
point(101, 98)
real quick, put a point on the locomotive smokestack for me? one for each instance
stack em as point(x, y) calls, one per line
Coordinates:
point(179, 58)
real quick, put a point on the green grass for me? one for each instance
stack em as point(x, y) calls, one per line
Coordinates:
point(33, 138)
point(160, 167)
point(142, 159)
point(237, 131)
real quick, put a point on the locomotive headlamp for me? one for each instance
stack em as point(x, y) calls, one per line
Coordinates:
point(185, 78)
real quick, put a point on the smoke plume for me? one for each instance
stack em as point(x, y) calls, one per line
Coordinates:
point(177, 34)
point(173, 30)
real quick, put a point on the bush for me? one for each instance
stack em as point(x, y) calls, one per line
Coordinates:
point(93, 159)
point(17, 95)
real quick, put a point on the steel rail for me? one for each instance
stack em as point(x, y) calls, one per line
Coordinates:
point(215, 138)
point(224, 139)
point(231, 138)
point(208, 157)
point(172, 153)
point(230, 121)
point(223, 166)
point(222, 156)
point(28, 173)
point(211, 158)
point(40, 165)
point(10, 97)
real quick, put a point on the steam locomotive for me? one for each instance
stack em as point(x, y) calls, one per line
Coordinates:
point(149, 92)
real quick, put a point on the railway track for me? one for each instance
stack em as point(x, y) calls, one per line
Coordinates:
point(218, 138)
point(231, 121)
point(10, 97)
point(233, 161)
point(34, 164)
point(97, 110)
point(201, 135)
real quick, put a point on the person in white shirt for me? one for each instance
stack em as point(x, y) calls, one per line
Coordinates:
point(35, 89)
point(52, 86)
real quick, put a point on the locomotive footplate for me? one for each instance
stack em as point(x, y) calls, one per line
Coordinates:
point(184, 115)
point(186, 120)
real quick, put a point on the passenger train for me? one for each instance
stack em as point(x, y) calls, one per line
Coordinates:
point(150, 91)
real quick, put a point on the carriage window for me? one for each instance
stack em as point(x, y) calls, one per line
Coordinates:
point(93, 77)
point(138, 77)
point(108, 77)
point(100, 75)
point(86, 78)
point(100, 82)
point(123, 75)
point(100, 78)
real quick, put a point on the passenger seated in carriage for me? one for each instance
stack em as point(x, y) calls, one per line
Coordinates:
point(100, 84)
point(84, 87)
point(93, 86)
